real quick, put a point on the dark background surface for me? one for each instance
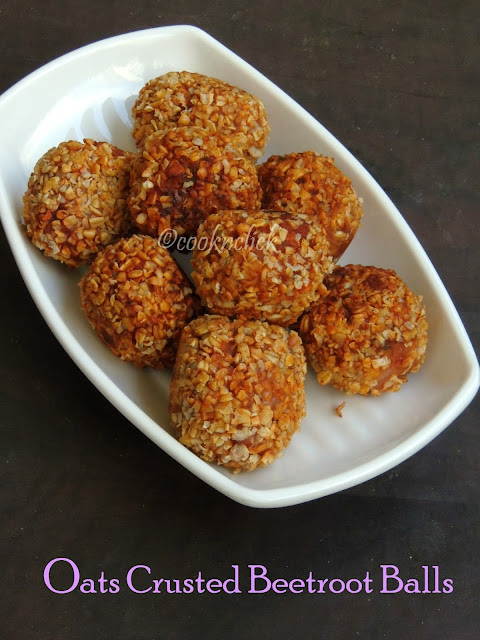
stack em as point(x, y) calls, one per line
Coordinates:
point(398, 83)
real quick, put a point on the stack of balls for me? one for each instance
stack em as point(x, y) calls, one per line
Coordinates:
point(267, 240)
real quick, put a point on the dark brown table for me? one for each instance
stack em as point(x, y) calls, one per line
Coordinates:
point(398, 83)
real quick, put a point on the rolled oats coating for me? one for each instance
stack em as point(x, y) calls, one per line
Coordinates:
point(183, 99)
point(138, 300)
point(185, 174)
point(312, 184)
point(237, 393)
point(265, 239)
point(266, 265)
point(75, 204)
point(367, 333)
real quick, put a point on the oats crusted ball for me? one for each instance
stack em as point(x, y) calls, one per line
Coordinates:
point(137, 299)
point(312, 184)
point(237, 393)
point(183, 175)
point(367, 333)
point(75, 204)
point(191, 99)
point(268, 265)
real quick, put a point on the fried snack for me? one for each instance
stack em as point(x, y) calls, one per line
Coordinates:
point(183, 99)
point(267, 265)
point(367, 333)
point(312, 184)
point(75, 204)
point(185, 174)
point(237, 393)
point(138, 300)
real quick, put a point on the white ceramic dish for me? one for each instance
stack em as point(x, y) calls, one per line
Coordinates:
point(89, 93)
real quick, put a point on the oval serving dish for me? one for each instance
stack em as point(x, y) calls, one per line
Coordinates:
point(89, 93)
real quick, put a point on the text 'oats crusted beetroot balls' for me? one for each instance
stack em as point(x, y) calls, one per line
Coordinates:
point(312, 184)
point(183, 175)
point(183, 99)
point(266, 265)
point(367, 333)
point(237, 393)
point(75, 204)
point(138, 300)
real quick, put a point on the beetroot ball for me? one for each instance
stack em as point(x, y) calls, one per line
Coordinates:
point(267, 265)
point(138, 300)
point(237, 394)
point(183, 175)
point(368, 333)
point(75, 204)
point(312, 184)
point(183, 99)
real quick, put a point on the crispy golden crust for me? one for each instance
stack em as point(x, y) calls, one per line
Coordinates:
point(267, 265)
point(312, 184)
point(184, 175)
point(191, 99)
point(138, 300)
point(237, 393)
point(75, 204)
point(367, 333)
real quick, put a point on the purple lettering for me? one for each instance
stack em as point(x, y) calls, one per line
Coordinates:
point(393, 576)
point(296, 585)
point(236, 588)
point(341, 588)
point(350, 589)
point(129, 578)
point(254, 577)
point(280, 585)
point(214, 585)
point(76, 575)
